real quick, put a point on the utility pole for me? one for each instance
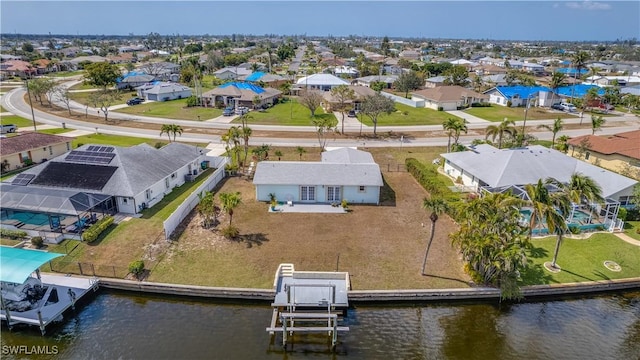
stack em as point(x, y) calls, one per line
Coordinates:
point(33, 116)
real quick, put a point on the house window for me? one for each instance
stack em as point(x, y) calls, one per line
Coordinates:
point(587, 155)
point(333, 193)
point(166, 183)
point(24, 156)
point(124, 200)
point(173, 176)
point(148, 194)
point(68, 146)
point(307, 193)
point(44, 149)
point(50, 150)
point(362, 189)
point(625, 200)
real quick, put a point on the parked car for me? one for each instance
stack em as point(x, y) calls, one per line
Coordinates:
point(135, 101)
point(8, 128)
point(241, 110)
point(607, 107)
point(568, 107)
point(352, 113)
point(557, 107)
point(228, 111)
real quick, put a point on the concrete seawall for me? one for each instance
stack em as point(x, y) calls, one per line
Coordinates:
point(371, 296)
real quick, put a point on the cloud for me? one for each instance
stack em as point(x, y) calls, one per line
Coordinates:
point(588, 5)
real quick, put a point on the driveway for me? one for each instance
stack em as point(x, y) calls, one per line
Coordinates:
point(470, 118)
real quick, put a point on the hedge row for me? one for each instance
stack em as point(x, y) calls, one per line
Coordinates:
point(92, 233)
point(13, 234)
point(428, 177)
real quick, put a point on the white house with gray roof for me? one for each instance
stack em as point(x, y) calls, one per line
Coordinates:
point(491, 168)
point(163, 91)
point(341, 174)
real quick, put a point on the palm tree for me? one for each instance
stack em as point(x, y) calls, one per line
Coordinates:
point(278, 153)
point(557, 80)
point(300, 150)
point(555, 129)
point(233, 135)
point(454, 126)
point(563, 144)
point(584, 188)
point(171, 129)
point(579, 61)
point(245, 133)
point(230, 201)
point(437, 206)
point(596, 123)
point(506, 127)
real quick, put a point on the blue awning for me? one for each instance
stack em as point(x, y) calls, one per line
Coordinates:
point(16, 265)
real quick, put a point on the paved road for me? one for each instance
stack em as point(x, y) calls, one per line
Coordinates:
point(14, 102)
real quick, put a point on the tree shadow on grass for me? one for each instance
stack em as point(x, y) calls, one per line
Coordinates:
point(251, 239)
point(578, 275)
point(536, 275)
point(446, 278)
point(538, 252)
point(103, 235)
point(602, 275)
point(387, 194)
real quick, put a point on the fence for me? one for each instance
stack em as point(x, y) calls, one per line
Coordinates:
point(174, 220)
point(402, 100)
point(88, 269)
point(394, 167)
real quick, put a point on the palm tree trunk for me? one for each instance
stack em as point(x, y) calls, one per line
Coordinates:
point(426, 253)
point(555, 253)
point(449, 144)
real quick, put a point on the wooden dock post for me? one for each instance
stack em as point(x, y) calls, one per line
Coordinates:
point(42, 326)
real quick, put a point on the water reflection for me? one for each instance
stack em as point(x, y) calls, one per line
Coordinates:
point(116, 325)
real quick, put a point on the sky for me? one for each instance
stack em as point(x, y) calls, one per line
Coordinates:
point(500, 20)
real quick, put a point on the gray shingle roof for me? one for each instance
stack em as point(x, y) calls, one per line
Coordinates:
point(316, 173)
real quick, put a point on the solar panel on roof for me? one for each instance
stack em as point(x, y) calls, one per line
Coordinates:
point(93, 148)
point(22, 179)
point(90, 157)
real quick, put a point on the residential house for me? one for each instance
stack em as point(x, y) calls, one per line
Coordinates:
point(22, 69)
point(231, 73)
point(164, 70)
point(496, 170)
point(410, 54)
point(31, 148)
point(388, 80)
point(613, 80)
point(518, 95)
point(330, 102)
point(447, 97)
point(163, 91)
point(435, 81)
point(618, 152)
point(133, 80)
point(324, 82)
point(341, 174)
point(633, 90)
point(240, 94)
point(345, 71)
point(270, 80)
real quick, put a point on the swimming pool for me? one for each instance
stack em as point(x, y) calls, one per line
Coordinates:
point(29, 218)
point(579, 219)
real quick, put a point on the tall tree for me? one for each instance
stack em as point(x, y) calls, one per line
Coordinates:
point(558, 79)
point(171, 130)
point(555, 129)
point(373, 106)
point(437, 206)
point(102, 100)
point(300, 150)
point(579, 61)
point(596, 123)
point(311, 99)
point(101, 74)
point(62, 94)
point(563, 143)
point(457, 75)
point(384, 46)
point(453, 127)
point(505, 127)
point(408, 81)
point(343, 95)
point(323, 125)
point(207, 208)
point(229, 202)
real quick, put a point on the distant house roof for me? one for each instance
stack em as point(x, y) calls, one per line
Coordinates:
point(348, 167)
point(262, 76)
point(238, 71)
point(447, 93)
point(389, 79)
point(520, 166)
point(243, 90)
point(28, 141)
point(359, 91)
point(520, 91)
point(579, 90)
point(166, 88)
point(135, 77)
point(571, 71)
point(633, 90)
point(626, 143)
point(321, 80)
point(92, 58)
point(437, 79)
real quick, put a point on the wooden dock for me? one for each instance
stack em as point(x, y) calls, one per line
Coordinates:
point(308, 302)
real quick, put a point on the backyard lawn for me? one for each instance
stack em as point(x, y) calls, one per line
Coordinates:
point(66, 73)
point(289, 113)
point(407, 115)
point(83, 86)
point(83, 97)
point(632, 228)
point(174, 109)
point(582, 260)
point(498, 113)
point(55, 131)
point(113, 140)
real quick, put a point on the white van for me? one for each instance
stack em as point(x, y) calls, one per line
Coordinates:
point(9, 128)
point(568, 107)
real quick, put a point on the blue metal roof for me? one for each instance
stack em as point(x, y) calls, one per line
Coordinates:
point(255, 76)
point(521, 91)
point(571, 71)
point(578, 90)
point(16, 265)
point(131, 73)
point(244, 86)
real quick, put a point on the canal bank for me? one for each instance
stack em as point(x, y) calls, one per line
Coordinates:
point(385, 296)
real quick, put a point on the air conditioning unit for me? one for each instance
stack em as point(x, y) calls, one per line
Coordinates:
point(189, 177)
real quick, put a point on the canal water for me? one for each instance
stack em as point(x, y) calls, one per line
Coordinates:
point(118, 325)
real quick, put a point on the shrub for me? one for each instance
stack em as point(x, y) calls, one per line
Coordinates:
point(158, 145)
point(13, 234)
point(481, 104)
point(230, 232)
point(574, 230)
point(622, 214)
point(633, 214)
point(37, 242)
point(345, 204)
point(136, 267)
point(440, 108)
point(509, 103)
point(192, 101)
point(92, 233)
point(405, 113)
point(427, 176)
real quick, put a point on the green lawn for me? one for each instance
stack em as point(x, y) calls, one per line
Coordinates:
point(16, 120)
point(632, 228)
point(288, 114)
point(407, 115)
point(66, 73)
point(83, 86)
point(2, 109)
point(112, 140)
point(55, 131)
point(581, 260)
point(174, 109)
point(83, 97)
point(498, 113)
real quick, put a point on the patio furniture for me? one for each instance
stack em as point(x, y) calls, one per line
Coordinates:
point(290, 203)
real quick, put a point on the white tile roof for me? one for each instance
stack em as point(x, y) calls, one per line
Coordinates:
point(321, 80)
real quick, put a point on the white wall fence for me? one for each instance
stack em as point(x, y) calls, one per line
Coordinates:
point(174, 220)
point(402, 100)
